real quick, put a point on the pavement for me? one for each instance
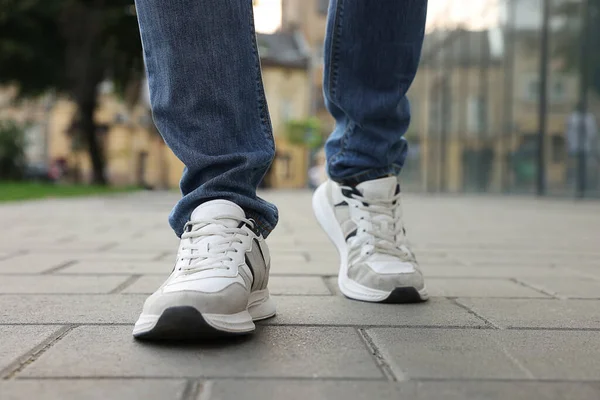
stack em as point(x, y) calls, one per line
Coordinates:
point(515, 312)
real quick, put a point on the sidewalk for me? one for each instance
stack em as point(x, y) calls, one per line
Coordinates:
point(515, 312)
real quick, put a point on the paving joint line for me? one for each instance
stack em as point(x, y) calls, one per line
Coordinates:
point(29, 357)
point(379, 359)
point(449, 327)
point(473, 312)
point(206, 379)
point(191, 390)
point(125, 284)
point(329, 285)
point(205, 390)
point(537, 289)
point(203, 378)
point(507, 380)
point(59, 267)
point(9, 256)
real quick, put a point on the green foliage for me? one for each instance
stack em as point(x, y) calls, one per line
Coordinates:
point(18, 191)
point(569, 39)
point(44, 44)
point(71, 46)
point(31, 48)
point(304, 133)
point(12, 151)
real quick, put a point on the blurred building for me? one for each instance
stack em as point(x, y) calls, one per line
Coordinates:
point(460, 135)
point(136, 154)
point(309, 18)
point(285, 60)
point(458, 103)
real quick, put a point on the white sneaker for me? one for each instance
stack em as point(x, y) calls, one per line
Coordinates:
point(219, 283)
point(365, 224)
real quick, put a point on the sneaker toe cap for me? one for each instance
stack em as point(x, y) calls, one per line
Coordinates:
point(230, 300)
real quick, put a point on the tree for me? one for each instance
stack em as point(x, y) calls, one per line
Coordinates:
point(570, 38)
point(12, 151)
point(71, 46)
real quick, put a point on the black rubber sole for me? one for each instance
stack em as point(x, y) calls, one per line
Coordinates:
point(184, 324)
point(404, 295)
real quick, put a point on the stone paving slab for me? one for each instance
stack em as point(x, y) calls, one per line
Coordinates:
point(292, 310)
point(107, 389)
point(514, 312)
point(18, 340)
point(474, 271)
point(307, 352)
point(316, 267)
point(516, 260)
point(489, 354)
point(536, 313)
point(555, 355)
point(12, 284)
point(364, 390)
point(70, 309)
point(33, 263)
point(573, 288)
point(587, 271)
point(445, 354)
point(330, 310)
point(278, 285)
point(480, 288)
point(119, 267)
point(40, 263)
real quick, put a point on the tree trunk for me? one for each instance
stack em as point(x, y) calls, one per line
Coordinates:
point(82, 24)
point(90, 136)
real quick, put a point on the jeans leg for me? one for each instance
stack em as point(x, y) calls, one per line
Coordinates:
point(208, 101)
point(372, 53)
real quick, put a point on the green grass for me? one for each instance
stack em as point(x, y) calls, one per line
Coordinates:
point(16, 191)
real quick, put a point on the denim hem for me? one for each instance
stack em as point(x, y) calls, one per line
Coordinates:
point(368, 175)
point(262, 225)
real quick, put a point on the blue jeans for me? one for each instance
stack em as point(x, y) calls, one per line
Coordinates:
point(209, 104)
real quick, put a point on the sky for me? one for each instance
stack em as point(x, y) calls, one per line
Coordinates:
point(476, 14)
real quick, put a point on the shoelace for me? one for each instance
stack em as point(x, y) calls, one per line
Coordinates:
point(213, 255)
point(382, 236)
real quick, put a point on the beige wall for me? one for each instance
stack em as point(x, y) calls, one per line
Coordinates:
point(305, 15)
point(288, 97)
point(287, 92)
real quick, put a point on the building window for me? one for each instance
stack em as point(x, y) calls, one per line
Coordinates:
point(322, 6)
point(533, 90)
point(476, 113)
point(559, 150)
point(558, 91)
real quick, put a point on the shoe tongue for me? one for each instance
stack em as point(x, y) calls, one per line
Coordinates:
point(217, 208)
point(380, 189)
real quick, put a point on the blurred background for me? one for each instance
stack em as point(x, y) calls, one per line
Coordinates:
point(506, 100)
